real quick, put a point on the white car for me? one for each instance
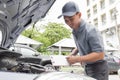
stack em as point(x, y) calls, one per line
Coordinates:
point(31, 55)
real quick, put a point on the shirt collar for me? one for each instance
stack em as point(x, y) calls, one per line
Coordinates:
point(81, 27)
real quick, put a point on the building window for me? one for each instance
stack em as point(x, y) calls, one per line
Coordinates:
point(113, 14)
point(96, 22)
point(88, 2)
point(88, 13)
point(103, 19)
point(89, 22)
point(95, 9)
point(102, 4)
point(111, 1)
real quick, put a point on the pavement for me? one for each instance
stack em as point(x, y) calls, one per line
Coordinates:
point(114, 77)
point(77, 69)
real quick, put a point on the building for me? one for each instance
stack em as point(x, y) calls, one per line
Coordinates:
point(104, 14)
point(66, 44)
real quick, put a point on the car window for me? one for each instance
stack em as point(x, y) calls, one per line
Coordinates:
point(26, 51)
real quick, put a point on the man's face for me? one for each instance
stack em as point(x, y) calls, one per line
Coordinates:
point(73, 21)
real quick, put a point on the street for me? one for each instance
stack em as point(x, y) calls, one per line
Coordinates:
point(114, 77)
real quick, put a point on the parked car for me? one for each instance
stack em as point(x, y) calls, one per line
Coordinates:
point(33, 56)
point(15, 16)
point(113, 63)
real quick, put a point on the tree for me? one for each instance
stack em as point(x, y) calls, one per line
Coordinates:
point(52, 34)
point(31, 32)
point(55, 32)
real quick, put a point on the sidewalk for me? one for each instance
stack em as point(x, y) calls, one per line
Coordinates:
point(114, 77)
point(80, 70)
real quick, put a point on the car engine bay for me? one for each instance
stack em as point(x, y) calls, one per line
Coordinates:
point(9, 61)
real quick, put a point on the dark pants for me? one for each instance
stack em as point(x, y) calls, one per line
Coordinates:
point(98, 70)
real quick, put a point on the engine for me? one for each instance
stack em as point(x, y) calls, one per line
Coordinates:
point(9, 61)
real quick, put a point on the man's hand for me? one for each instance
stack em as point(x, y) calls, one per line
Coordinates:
point(91, 57)
point(72, 59)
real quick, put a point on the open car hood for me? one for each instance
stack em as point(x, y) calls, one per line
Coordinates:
point(16, 15)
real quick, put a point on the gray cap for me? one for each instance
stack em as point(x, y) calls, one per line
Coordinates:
point(69, 9)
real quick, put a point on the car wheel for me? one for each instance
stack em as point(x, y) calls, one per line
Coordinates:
point(49, 67)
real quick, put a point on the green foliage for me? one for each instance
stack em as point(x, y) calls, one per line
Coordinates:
point(31, 33)
point(55, 32)
point(52, 34)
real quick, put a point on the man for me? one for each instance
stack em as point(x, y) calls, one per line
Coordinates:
point(88, 41)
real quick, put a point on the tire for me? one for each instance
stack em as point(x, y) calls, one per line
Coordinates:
point(48, 65)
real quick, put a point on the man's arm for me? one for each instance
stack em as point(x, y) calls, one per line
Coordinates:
point(91, 57)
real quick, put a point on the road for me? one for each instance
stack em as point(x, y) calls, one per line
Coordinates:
point(114, 77)
point(79, 70)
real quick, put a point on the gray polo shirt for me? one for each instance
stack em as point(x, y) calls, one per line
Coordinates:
point(88, 39)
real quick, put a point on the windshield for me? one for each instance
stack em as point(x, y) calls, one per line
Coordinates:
point(25, 50)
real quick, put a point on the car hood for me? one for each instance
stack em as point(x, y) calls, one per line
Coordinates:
point(16, 15)
point(43, 76)
point(17, 76)
point(62, 76)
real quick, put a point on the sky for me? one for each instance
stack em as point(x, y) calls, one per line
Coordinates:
point(56, 10)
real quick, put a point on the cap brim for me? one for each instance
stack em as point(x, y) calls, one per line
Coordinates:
point(67, 14)
point(60, 16)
